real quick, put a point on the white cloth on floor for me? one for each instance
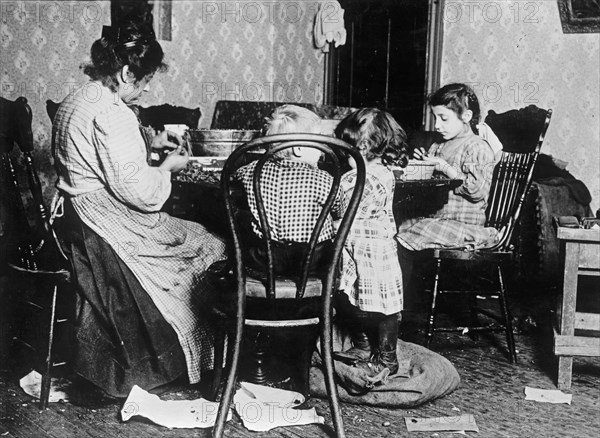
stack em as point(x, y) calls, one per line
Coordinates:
point(547, 395)
point(32, 385)
point(170, 413)
point(263, 408)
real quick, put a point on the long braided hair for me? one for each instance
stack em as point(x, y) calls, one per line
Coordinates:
point(459, 98)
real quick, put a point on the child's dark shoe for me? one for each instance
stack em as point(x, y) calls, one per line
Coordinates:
point(387, 358)
point(360, 351)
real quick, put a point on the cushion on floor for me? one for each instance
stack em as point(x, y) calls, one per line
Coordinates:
point(430, 376)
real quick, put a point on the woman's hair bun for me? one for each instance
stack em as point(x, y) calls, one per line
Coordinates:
point(132, 42)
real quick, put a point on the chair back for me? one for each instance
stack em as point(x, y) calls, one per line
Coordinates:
point(16, 129)
point(521, 133)
point(264, 150)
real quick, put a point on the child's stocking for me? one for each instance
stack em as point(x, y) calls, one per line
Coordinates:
point(388, 339)
point(358, 324)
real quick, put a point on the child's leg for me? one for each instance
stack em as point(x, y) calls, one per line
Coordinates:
point(388, 339)
point(358, 323)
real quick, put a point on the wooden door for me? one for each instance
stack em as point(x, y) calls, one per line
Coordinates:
point(385, 61)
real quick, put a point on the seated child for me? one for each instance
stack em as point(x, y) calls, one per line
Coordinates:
point(460, 153)
point(294, 190)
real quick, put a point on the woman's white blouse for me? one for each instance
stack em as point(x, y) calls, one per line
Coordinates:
point(103, 148)
point(101, 163)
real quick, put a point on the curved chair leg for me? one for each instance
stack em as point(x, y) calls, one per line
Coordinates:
point(46, 377)
point(510, 338)
point(326, 348)
point(303, 371)
point(217, 363)
point(231, 381)
point(433, 311)
point(474, 316)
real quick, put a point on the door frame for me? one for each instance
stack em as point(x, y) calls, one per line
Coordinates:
point(433, 62)
point(433, 56)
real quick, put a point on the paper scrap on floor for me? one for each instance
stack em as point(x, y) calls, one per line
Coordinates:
point(547, 395)
point(32, 385)
point(458, 423)
point(199, 413)
point(263, 408)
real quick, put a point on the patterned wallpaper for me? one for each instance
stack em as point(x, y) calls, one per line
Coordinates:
point(42, 45)
point(258, 51)
point(219, 50)
point(514, 53)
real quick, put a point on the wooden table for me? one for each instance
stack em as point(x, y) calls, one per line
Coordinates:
point(581, 249)
point(415, 198)
point(421, 198)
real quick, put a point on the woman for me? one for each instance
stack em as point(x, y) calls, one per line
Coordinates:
point(152, 269)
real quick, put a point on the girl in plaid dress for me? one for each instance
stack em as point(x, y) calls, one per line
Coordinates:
point(370, 297)
point(462, 154)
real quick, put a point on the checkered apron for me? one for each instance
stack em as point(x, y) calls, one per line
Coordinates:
point(101, 163)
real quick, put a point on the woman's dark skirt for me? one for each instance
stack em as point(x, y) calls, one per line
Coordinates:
point(121, 339)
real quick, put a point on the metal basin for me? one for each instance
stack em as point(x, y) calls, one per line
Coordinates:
point(218, 142)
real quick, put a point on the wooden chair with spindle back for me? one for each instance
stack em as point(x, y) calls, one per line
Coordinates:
point(522, 133)
point(37, 254)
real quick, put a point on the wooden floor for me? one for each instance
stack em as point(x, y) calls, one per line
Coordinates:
point(491, 389)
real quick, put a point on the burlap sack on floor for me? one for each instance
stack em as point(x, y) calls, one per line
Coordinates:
point(429, 376)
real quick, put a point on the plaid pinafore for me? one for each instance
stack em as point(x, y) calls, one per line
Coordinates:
point(371, 275)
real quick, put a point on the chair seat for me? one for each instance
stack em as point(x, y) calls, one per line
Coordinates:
point(285, 290)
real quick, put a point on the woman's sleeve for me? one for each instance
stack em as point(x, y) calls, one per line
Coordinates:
point(122, 155)
point(477, 167)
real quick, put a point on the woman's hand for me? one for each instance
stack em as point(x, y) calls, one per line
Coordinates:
point(168, 140)
point(175, 160)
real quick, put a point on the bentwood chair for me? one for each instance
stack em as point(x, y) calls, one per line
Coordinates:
point(264, 300)
point(36, 255)
point(522, 133)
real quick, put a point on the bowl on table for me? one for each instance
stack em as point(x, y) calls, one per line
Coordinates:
point(415, 170)
point(218, 142)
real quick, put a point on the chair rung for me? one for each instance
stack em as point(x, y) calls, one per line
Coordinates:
point(26, 344)
point(490, 328)
point(282, 323)
point(32, 304)
point(472, 292)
